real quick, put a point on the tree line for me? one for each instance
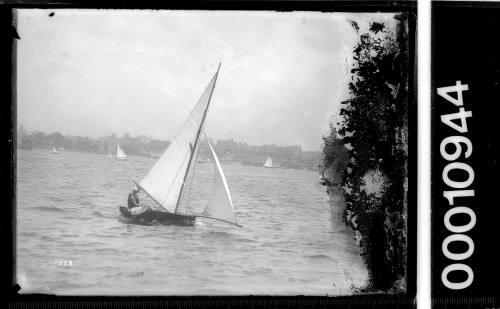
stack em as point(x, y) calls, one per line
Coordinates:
point(288, 156)
point(139, 145)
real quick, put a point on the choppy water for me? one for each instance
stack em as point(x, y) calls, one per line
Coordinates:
point(292, 240)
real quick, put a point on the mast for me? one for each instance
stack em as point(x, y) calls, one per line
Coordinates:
point(196, 141)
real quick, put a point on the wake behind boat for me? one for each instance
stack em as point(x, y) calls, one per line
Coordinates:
point(172, 173)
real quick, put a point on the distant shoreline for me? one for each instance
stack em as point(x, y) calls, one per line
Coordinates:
point(290, 157)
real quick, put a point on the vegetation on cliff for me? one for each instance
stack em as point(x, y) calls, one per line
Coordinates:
point(366, 155)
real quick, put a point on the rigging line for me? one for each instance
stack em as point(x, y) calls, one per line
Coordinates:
point(198, 133)
point(180, 196)
point(196, 148)
point(138, 185)
point(207, 217)
point(195, 154)
point(176, 174)
point(191, 183)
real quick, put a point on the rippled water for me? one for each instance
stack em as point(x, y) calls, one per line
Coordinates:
point(292, 240)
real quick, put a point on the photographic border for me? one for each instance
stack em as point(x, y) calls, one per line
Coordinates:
point(483, 291)
point(8, 70)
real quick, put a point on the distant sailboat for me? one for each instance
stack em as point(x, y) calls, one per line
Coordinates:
point(54, 150)
point(166, 182)
point(120, 154)
point(270, 164)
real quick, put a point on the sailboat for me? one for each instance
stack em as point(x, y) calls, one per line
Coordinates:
point(269, 163)
point(168, 179)
point(54, 150)
point(120, 154)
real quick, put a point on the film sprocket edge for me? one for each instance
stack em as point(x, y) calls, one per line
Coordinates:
point(465, 152)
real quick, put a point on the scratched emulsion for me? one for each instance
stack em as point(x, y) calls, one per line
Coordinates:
point(292, 240)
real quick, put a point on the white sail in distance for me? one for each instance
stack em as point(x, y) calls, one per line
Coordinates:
point(120, 154)
point(164, 182)
point(54, 150)
point(220, 206)
point(269, 162)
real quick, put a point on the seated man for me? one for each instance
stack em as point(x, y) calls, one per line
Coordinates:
point(133, 199)
point(134, 203)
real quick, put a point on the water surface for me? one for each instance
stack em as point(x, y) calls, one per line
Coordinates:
point(292, 240)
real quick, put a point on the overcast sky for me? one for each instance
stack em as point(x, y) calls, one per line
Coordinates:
point(98, 72)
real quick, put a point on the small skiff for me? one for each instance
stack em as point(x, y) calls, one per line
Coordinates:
point(168, 183)
point(163, 217)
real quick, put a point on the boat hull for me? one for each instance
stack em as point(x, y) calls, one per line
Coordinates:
point(160, 216)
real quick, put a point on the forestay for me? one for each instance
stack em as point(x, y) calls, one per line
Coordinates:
point(165, 180)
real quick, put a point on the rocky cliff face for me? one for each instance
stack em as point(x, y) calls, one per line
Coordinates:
point(373, 132)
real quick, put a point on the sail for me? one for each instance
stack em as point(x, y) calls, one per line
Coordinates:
point(269, 162)
point(54, 150)
point(120, 154)
point(164, 182)
point(185, 197)
point(220, 205)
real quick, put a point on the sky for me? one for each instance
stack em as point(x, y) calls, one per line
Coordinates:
point(101, 72)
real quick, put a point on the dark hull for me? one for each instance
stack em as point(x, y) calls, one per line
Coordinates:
point(151, 215)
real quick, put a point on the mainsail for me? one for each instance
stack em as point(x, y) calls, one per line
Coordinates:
point(164, 183)
point(120, 154)
point(54, 150)
point(269, 162)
